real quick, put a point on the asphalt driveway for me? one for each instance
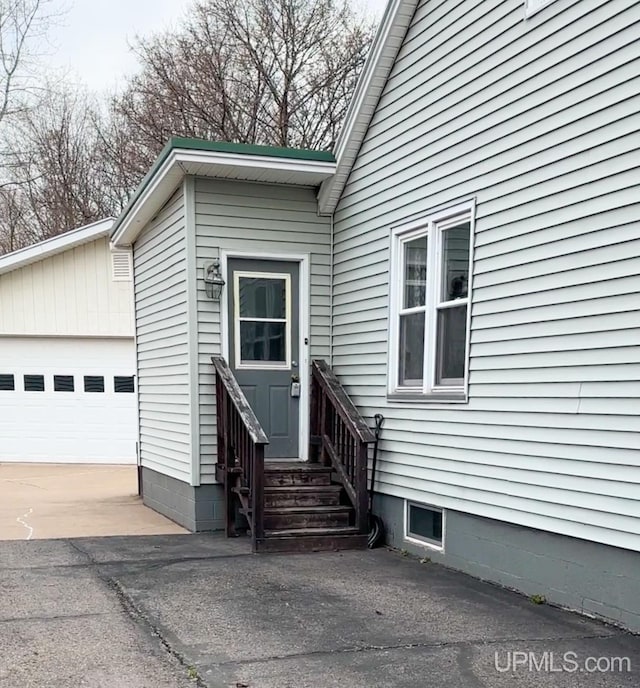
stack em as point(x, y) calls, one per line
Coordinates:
point(172, 611)
point(74, 500)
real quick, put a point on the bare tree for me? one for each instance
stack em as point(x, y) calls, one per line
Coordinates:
point(60, 177)
point(279, 72)
point(254, 71)
point(22, 24)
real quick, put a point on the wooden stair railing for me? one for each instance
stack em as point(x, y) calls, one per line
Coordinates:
point(340, 438)
point(241, 443)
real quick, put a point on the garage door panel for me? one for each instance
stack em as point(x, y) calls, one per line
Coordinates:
point(68, 426)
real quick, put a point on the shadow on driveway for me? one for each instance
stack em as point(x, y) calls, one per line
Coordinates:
point(164, 611)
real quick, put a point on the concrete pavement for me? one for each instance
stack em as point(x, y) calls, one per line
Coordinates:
point(71, 500)
point(201, 610)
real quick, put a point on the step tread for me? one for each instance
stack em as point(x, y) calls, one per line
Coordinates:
point(307, 531)
point(303, 489)
point(295, 468)
point(315, 509)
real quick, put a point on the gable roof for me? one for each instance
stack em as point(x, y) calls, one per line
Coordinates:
point(58, 244)
point(221, 160)
point(383, 53)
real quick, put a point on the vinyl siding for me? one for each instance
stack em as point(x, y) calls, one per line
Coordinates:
point(160, 263)
point(266, 219)
point(537, 120)
point(69, 294)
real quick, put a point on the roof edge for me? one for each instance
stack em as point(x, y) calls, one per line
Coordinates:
point(180, 150)
point(250, 149)
point(54, 245)
point(386, 45)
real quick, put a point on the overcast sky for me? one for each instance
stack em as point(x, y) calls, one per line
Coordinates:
point(91, 41)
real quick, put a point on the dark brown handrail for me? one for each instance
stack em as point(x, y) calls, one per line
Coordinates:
point(241, 442)
point(340, 437)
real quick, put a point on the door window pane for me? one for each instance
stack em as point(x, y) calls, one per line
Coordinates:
point(123, 384)
point(452, 340)
point(415, 272)
point(411, 349)
point(63, 383)
point(455, 262)
point(93, 383)
point(261, 297)
point(7, 383)
point(34, 383)
point(263, 341)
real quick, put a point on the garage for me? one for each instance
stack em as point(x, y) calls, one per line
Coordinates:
point(67, 400)
point(67, 352)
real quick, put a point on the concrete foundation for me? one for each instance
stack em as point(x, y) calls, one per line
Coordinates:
point(584, 576)
point(195, 508)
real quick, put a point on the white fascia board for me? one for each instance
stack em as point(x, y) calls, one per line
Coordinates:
point(384, 51)
point(156, 193)
point(129, 225)
point(256, 162)
point(58, 244)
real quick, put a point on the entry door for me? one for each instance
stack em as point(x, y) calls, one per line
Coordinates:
point(263, 303)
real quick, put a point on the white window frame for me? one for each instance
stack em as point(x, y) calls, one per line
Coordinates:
point(262, 365)
point(533, 6)
point(433, 226)
point(420, 539)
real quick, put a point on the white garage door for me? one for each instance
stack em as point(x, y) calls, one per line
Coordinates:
point(67, 400)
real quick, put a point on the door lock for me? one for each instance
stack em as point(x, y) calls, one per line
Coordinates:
point(295, 386)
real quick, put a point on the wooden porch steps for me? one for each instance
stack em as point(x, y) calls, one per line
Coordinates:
point(294, 506)
point(304, 510)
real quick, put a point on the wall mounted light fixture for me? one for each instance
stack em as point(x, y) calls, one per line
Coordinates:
point(213, 281)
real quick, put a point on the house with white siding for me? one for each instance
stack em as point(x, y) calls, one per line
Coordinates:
point(67, 355)
point(465, 264)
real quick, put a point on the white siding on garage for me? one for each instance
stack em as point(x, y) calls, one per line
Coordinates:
point(69, 294)
point(538, 120)
point(160, 265)
point(265, 219)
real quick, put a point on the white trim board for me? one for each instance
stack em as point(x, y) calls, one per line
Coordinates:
point(58, 244)
point(304, 345)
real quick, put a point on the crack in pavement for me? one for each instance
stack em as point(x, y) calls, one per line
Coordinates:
point(137, 614)
point(139, 568)
point(25, 524)
point(407, 646)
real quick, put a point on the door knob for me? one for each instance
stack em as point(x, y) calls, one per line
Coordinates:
point(294, 364)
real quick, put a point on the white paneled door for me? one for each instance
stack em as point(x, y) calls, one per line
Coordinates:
point(67, 400)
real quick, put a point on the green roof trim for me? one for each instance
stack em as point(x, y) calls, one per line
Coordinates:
point(178, 143)
point(250, 149)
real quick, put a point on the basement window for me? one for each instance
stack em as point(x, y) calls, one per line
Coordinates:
point(123, 384)
point(424, 525)
point(34, 383)
point(63, 383)
point(7, 383)
point(93, 383)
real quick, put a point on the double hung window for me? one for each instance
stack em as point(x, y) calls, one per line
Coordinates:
point(430, 305)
